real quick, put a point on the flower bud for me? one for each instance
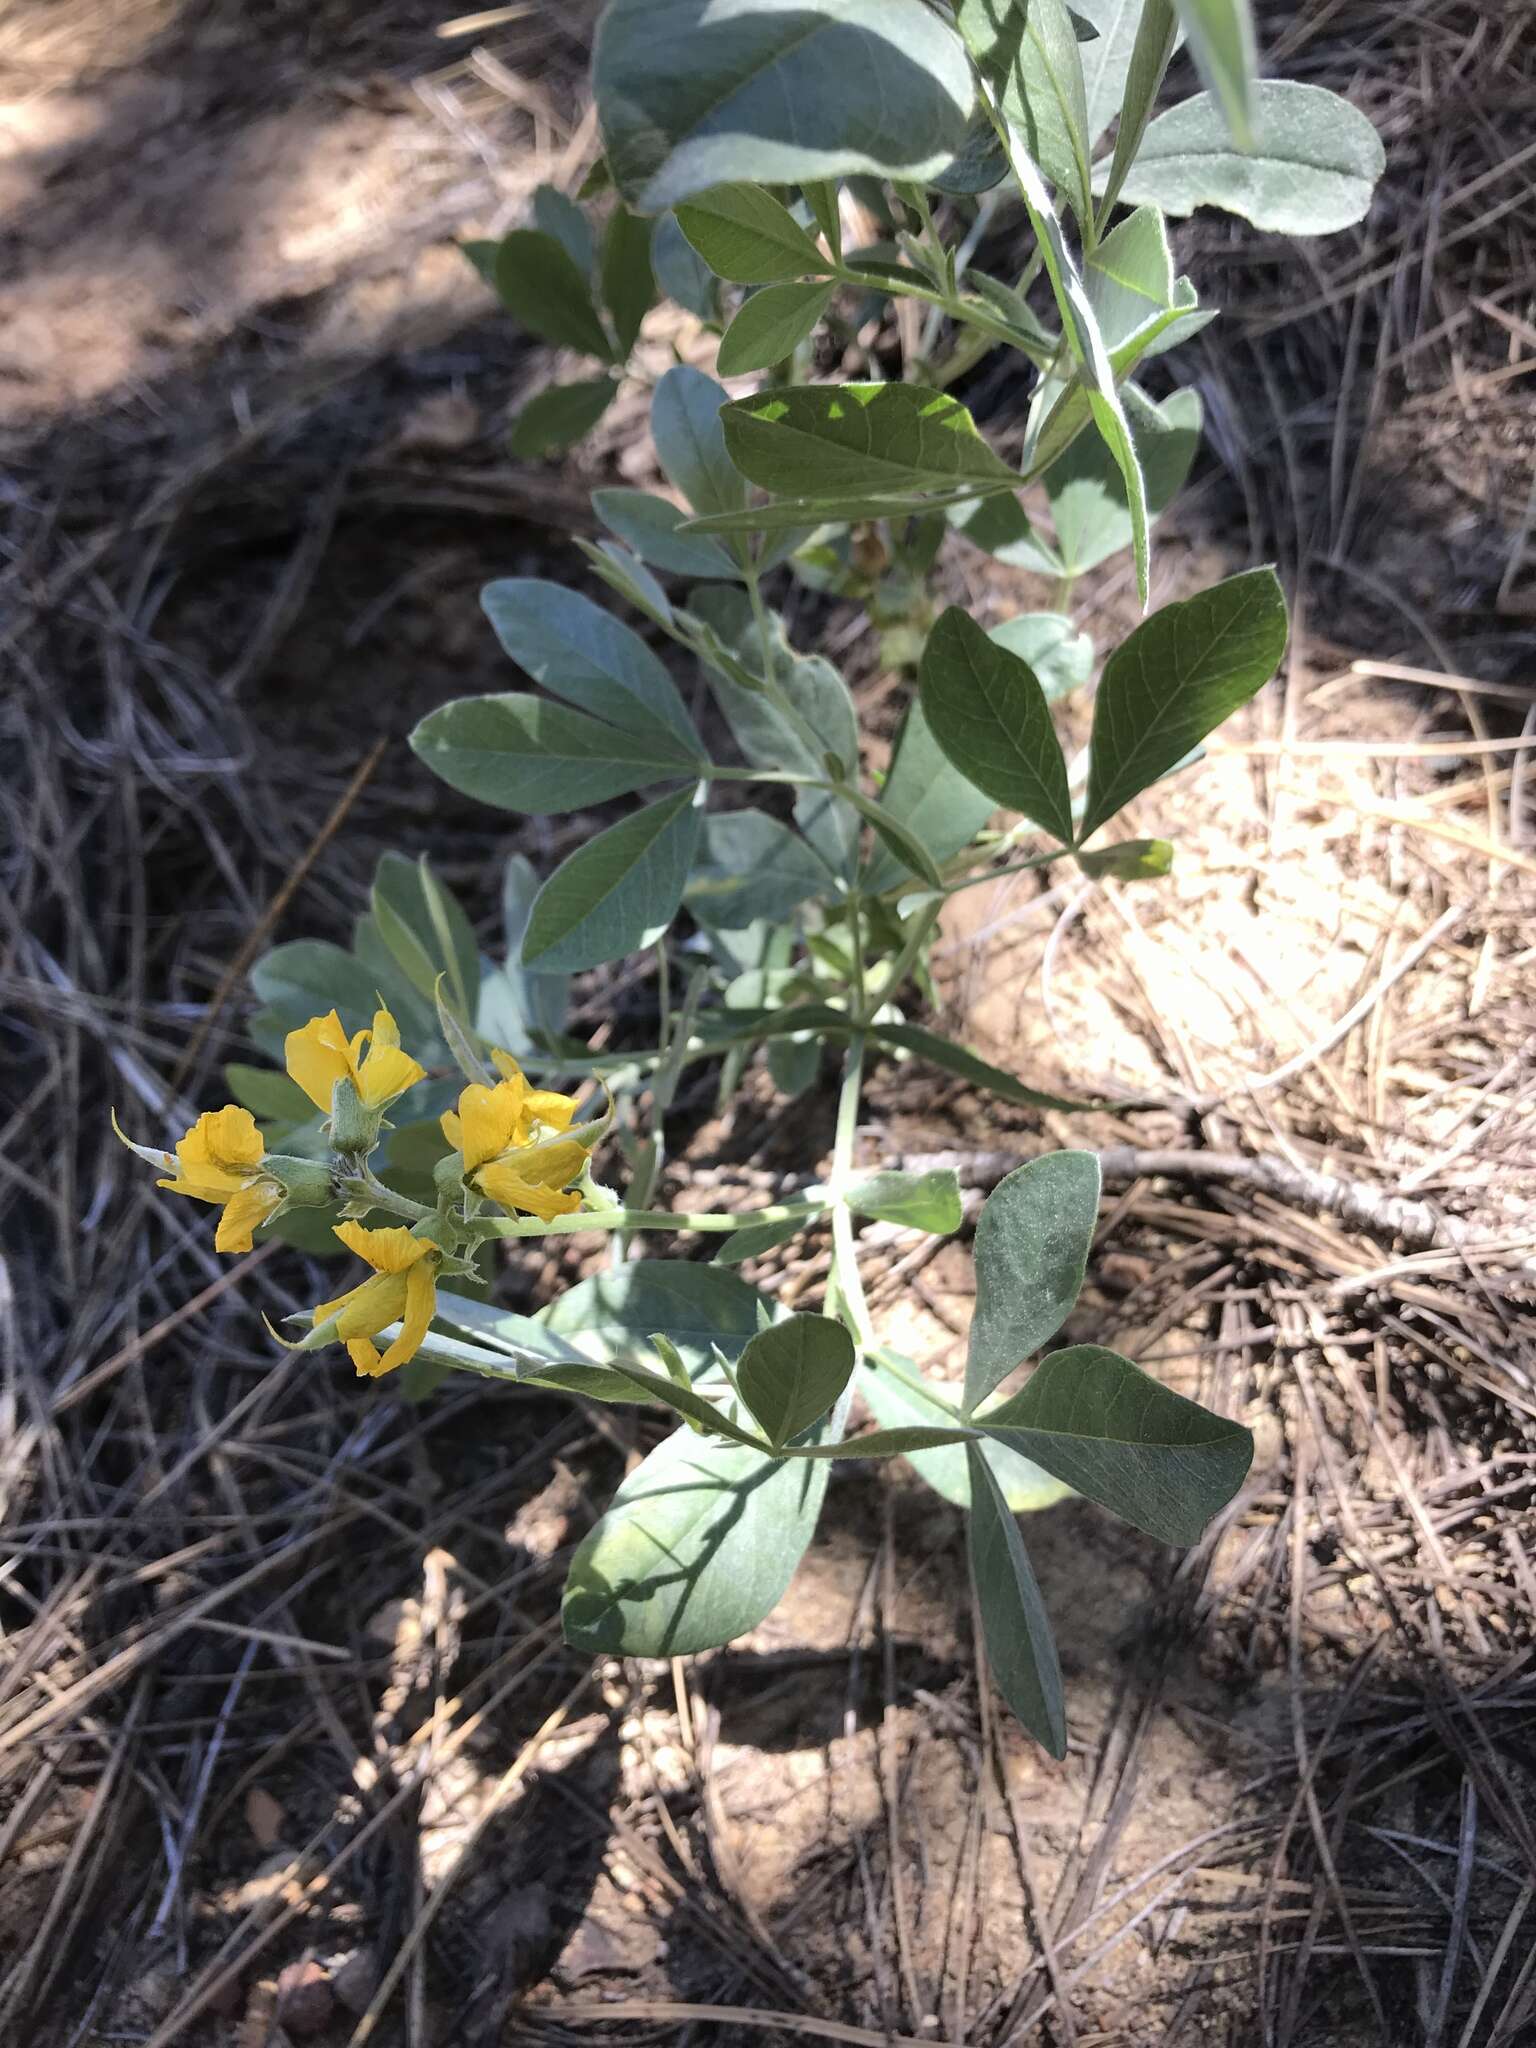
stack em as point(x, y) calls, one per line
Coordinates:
point(306, 1183)
point(354, 1123)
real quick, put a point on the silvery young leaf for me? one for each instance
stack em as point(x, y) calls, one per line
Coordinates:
point(969, 1066)
point(584, 654)
point(917, 1201)
point(1060, 656)
point(1175, 679)
point(771, 325)
point(898, 1404)
point(540, 286)
point(618, 892)
point(746, 236)
point(1027, 51)
point(690, 445)
point(1014, 1623)
point(1313, 168)
point(649, 525)
point(830, 440)
point(525, 753)
point(554, 418)
point(1156, 37)
point(986, 709)
point(1129, 276)
point(1221, 35)
point(1129, 860)
point(1107, 59)
point(1121, 1438)
point(927, 794)
point(749, 867)
point(1087, 491)
point(1032, 1246)
point(791, 1374)
point(629, 288)
point(691, 94)
point(698, 1545)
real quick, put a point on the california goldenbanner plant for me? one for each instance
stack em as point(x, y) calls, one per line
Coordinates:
point(748, 147)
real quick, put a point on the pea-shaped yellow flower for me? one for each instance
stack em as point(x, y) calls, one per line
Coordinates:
point(508, 1139)
point(321, 1054)
point(402, 1289)
point(221, 1160)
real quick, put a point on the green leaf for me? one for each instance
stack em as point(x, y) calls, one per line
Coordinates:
point(806, 514)
point(1221, 35)
point(928, 795)
point(308, 977)
point(791, 1374)
point(682, 275)
point(1129, 860)
point(556, 214)
point(1060, 656)
point(1032, 1246)
point(482, 256)
point(1175, 679)
point(690, 442)
point(767, 739)
point(821, 196)
point(771, 325)
point(628, 576)
point(1014, 1623)
point(989, 714)
point(977, 165)
point(268, 1095)
point(968, 1066)
point(916, 1201)
point(1000, 526)
point(830, 440)
point(692, 96)
point(794, 1063)
point(1027, 52)
point(619, 892)
point(629, 288)
point(746, 236)
point(612, 1318)
point(753, 1239)
point(532, 1351)
point(898, 1404)
point(540, 286)
point(1313, 168)
point(1121, 1438)
point(750, 867)
point(523, 753)
point(1087, 490)
point(1094, 371)
point(699, 1544)
point(582, 653)
point(650, 526)
point(425, 929)
point(555, 418)
point(1129, 276)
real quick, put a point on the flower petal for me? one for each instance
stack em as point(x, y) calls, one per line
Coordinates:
point(544, 1106)
point(386, 1073)
point(317, 1057)
point(488, 1120)
point(245, 1212)
point(505, 1185)
point(420, 1307)
point(364, 1354)
point(387, 1251)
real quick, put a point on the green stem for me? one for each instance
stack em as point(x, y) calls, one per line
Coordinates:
point(901, 966)
point(845, 1260)
point(644, 1219)
point(882, 1361)
point(365, 1186)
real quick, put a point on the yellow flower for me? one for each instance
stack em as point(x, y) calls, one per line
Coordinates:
point(402, 1289)
point(503, 1136)
point(220, 1160)
point(321, 1055)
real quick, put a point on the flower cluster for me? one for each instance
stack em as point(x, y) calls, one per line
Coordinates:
point(513, 1146)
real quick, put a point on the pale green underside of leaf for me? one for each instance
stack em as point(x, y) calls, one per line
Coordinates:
point(1313, 169)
